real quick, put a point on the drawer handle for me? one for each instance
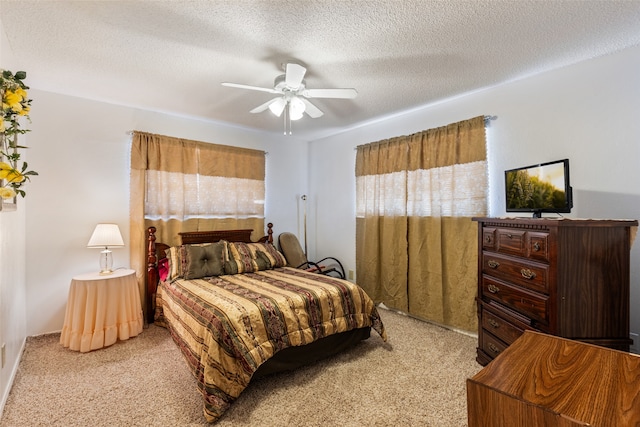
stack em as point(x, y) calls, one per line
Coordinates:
point(493, 263)
point(528, 274)
point(509, 235)
point(493, 348)
point(487, 239)
point(536, 247)
point(494, 323)
point(493, 289)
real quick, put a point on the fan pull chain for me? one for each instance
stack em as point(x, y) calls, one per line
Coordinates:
point(284, 116)
point(287, 120)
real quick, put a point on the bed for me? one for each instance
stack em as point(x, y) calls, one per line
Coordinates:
point(237, 312)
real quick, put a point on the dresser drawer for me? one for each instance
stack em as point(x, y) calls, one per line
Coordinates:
point(534, 276)
point(528, 303)
point(501, 324)
point(489, 238)
point(492, 345)
point(512, 241)
point(538, 246)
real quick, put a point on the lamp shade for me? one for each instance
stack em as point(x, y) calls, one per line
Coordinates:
point(105, 235)
point(296, 108)
point(277, 106)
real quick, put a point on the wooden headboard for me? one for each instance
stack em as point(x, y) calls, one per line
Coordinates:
point(156, 250)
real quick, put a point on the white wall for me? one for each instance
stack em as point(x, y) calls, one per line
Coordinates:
point(587, 113)
point(12, 269)
point(12, 294)
point(81, 150)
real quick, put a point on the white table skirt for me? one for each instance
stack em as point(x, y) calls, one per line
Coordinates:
point(101, 309)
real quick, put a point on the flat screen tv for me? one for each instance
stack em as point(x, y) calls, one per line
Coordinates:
point(539, 188)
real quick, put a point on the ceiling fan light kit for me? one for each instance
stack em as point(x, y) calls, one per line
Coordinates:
point(296, 108)
point(276, 106)
point(292, 96)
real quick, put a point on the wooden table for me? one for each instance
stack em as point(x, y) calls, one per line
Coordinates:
point(543, 380)
point(101, 309)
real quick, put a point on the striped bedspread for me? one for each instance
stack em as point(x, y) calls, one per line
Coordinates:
point(227, 326)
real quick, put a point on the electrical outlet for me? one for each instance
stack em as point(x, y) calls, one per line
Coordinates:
point(3, 350)
point(350, 275)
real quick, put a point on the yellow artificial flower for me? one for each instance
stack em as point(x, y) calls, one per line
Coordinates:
point(2, 129)
point(12, 98)
point(15, 176)
point(10, 174)
point(7, 193)
point(25, 110)
point(13, 101)
point(4, 169)
point(21, 93)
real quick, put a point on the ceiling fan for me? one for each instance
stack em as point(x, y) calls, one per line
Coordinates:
point(293, 95)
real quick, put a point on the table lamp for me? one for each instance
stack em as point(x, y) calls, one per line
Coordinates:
point(106, 236)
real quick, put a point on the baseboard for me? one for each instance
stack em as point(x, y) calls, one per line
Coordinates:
point(451, 328)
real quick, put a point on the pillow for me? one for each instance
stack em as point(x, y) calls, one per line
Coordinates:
point(239, 259)
point(267, 250)
point(203, 260)
point(178, 261)
point(163, 269)
point(251, 257)
point(174, 257)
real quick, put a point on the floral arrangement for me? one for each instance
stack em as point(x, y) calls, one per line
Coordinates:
point(15, 104)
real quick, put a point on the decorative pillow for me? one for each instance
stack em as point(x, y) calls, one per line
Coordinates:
point(163, 269)
point(203, 260)
point(276, 258)
point(174, 256)
point(251, 257)
point(239, 259)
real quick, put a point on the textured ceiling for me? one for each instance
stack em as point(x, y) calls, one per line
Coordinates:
point(171, 56)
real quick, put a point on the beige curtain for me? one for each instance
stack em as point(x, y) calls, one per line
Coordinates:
point(182, 185)
point(416, 246)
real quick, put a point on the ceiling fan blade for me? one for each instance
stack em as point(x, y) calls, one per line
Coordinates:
point(262, 107)
point(294, 73)
point(313, 111)
point(345, 93)
point(239, 86)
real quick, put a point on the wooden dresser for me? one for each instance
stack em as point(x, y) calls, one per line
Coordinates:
point(542, 380)
point(563, 277)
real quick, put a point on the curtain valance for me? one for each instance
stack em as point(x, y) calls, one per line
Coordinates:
point(166, 153)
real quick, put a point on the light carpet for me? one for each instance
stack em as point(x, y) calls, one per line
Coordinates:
point(417, 378)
